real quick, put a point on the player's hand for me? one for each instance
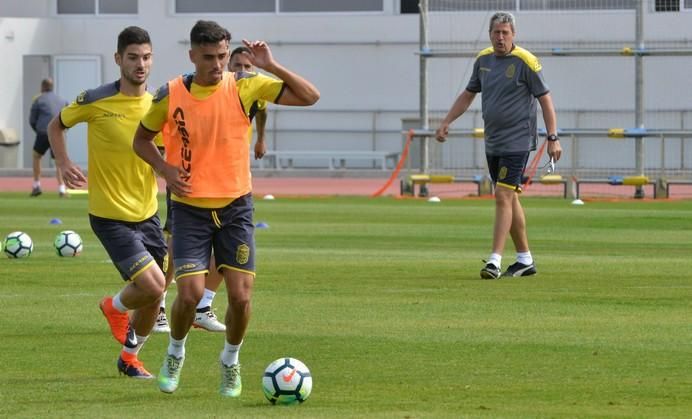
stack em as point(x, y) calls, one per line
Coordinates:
point(442, 132)
point(261, 54)
point(260, 149)
point(72, 175)
point(177, 180)
point(554, 150)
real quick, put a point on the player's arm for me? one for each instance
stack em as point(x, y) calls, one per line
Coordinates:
point(260, 124)
point(71, 173)
point(458, 108)
point(297, 91)
point(144, 143)
point(145, 147)
point(554, 148)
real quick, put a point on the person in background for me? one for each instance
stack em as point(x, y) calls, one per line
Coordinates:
point(43, 109)
point(511, 83)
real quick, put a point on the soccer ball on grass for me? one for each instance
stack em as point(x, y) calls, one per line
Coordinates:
point(18, 245)
point(68, 243)
point(286, 381)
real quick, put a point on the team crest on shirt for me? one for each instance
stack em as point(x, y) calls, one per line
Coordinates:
point(81, 97)
point(242, 254)
point(511, 69)
point(503, 173)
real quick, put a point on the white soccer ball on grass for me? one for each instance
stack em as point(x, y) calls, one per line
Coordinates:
point(18, 245)
point(68, 243)
point(287, 381)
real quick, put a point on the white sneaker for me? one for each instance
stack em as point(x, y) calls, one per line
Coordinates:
point(161, 325)
point(207, 320)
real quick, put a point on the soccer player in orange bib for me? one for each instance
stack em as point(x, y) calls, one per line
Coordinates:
point(207, 168)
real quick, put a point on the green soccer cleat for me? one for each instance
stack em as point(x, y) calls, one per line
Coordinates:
point(169, 376)
point(231, 385)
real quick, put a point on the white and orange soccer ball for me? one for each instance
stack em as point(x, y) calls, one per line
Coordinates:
point(287, 381)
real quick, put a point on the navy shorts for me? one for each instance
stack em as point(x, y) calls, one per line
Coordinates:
point(229, 231)
point(132, 246)
point(508, 171)
point(41, 145)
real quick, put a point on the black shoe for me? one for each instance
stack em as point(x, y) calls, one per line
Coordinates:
point(519, 269)
point(36, 191)
point(490, 271)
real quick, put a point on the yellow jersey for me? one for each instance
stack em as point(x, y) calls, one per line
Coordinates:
point(121, 185)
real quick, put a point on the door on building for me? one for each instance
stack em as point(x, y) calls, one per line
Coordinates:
point(74, 74)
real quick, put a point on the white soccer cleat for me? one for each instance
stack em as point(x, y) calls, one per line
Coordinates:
point(207, 320)
point(161, 325)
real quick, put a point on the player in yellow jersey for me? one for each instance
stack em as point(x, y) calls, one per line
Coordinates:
point(207, 168)
point(240, 63)
point(122, 193)
point(205, 318)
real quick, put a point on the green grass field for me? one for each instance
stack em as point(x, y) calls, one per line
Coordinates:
point(381, 298)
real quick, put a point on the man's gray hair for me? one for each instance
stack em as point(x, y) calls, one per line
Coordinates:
point(502, 17)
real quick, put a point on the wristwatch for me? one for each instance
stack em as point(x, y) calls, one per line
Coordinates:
point(552, 137)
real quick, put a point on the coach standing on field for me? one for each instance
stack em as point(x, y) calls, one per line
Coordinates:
point(510, 80)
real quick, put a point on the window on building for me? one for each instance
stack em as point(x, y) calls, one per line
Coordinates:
point(409, 6)
point(460, 5)
point(667, 5)
point(118, 7)
point(225, 6)
point(97, 7)
point(76, 7)
point(577, 4)
point(331, 6)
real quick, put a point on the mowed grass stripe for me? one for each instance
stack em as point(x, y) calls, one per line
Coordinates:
point(381, 299)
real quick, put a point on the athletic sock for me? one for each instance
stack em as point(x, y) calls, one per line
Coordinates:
point(163, 301)
point(524, 258)
point(206, 299)
point(118, 305)
point(62, 188)
point(495, 259)
point(37, 184)
point(229, 355)
point(177, 347)
point(135, 350)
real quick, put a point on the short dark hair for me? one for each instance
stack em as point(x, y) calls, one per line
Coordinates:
point(240, 50)
point(208, 32)
point(47, 85)
point(132, 35)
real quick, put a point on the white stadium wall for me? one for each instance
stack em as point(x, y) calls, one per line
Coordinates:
point(363, 63)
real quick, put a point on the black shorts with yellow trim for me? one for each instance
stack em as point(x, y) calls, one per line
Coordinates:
point(507, 171)
point(229, 231)
point(132, 246)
